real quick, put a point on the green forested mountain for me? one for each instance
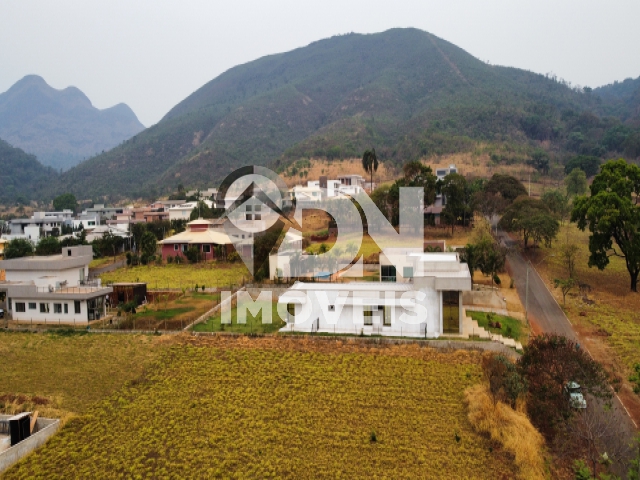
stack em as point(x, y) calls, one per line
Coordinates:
point(21, 175)
point(61, 127)
point(404, 91)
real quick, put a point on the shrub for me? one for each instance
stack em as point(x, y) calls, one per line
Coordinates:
point(169, 259)
point(233, 257)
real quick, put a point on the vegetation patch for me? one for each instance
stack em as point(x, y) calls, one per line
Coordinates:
point(212, 275)
point(283, 408)
point(506, 326)
point(252, 325)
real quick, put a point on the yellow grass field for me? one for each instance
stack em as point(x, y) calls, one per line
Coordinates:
point(289, 408)
point(211, 275)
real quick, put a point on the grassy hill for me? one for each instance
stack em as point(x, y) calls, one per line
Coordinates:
point(61, 127)
point(406, 92)
point(21, 174)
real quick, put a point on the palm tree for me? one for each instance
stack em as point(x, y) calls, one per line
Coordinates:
point(370, 164)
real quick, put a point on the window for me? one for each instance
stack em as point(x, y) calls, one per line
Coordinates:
point(184, 247)
point(206, 248)
point(44, 308)
point(57, 308)
point(407, 272)
point(387, 273)
point(66, 308)
point(258, 208)
point(248, 216)
point(176, 247)
point(258, 216)
point(68, 252)
point(386, 315)
point(368, 315)
point(291, 311)
point(76, 307)
point(249, 208)
point(20, 307)
point(32, 305)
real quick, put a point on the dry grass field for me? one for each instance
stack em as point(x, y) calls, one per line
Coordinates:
point(223, 407)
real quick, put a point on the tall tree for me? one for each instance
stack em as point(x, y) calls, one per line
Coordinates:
point(370, 164)
point(576, 182)
point(457, 199)
point(148, 246)
point(612, 214)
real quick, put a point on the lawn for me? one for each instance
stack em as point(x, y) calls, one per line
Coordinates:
point(71, 372)
point(510, 327)
point(288, 408)
point(211, 275)
point(252, 325)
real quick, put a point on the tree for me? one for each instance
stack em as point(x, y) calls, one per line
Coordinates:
point(505, 382)
point(370, 163)
point(457, 197)
point(569, 252)
point(588, 164)
point(557, 203)
point(137, 230)
point(565, 285)
point(48, 246)
point(612, 214)
point(506, 186)
point(65, 201)
point(576, 182)
point(532, 219)
point(148, 246)
point(547, 364)
point(193, 254)
point(540, 160)
point(18, 247)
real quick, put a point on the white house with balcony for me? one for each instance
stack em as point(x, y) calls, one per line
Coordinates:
point(419, 295)
point(40, 224)
point(53, 289)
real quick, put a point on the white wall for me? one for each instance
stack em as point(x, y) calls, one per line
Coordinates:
point(44, 278)
point(51, 317)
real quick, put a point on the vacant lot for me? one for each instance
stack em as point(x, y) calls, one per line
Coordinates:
point(211, 275)
point(251, 325)
point(293, 408)
point(70, 371)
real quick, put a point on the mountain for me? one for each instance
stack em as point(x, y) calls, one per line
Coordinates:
point(623, 99)
point(61, 127)
point(406, 92)
point(21, 175)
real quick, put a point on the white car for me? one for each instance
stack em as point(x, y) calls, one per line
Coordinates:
point(574, 394)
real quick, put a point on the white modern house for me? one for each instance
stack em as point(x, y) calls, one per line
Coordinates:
point(184, 210)
point(53, 289)
point(418, 296)
point(40, 224)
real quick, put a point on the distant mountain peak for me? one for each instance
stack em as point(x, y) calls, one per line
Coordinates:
point(61, 127)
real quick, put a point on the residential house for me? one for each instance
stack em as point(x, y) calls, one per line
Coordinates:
point(418, 296)
point(203, 234)
point(53, 289)
point(40, 224)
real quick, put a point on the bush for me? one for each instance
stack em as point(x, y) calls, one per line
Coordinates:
point(169, 259)
point(233, 257)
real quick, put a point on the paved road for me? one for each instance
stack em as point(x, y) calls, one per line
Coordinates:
point(544, 311)
point(549, 318)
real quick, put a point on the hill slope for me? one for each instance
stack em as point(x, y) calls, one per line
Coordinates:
point(61, 127)
point(404, 91)
point(21, 174)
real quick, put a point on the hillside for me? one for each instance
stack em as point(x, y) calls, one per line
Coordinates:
point(404, 91)
point(21, 175)
point(622, 99)
point(61, 127)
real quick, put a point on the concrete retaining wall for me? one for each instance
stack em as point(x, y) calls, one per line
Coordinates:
point(45, 428)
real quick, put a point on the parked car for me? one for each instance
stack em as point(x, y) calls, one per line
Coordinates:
point(574, 394)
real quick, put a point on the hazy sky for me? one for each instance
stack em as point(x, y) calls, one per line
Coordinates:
point(152, 54)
